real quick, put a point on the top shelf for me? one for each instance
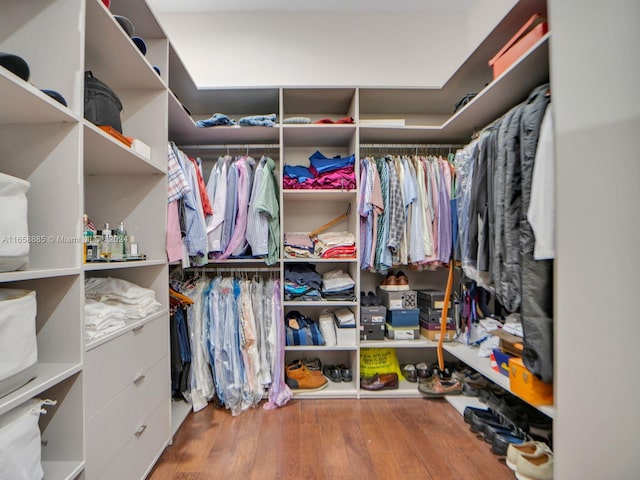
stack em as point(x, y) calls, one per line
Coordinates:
point(21, 102)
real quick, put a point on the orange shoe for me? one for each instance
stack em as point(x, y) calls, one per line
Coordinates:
point(299, 377)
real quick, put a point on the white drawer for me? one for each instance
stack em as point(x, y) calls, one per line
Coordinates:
point(110, 367)
point(111, 427)
point(141, 452)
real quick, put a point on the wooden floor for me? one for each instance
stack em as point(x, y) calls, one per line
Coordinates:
point(331, 439)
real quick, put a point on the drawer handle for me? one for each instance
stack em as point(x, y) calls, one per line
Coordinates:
point(137, 329)
point(140, 430)
point(139, 379)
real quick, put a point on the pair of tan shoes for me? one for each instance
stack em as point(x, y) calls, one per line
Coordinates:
point(395, 282)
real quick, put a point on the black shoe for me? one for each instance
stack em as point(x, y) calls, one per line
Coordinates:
point(345, 373)
point(491, 431)
point(332, 373)
point(501, 442)
point(480, 420)
point(469, 411)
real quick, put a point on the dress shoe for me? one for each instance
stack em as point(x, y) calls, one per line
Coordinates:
point(409, 372)
point(436, 386)
point(402, 281)
point(390, 283)
point(382, 381)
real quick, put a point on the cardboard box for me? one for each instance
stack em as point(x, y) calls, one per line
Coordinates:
point(372, 331)
point(402, 333)
point(346, 337)
point(434, 335)
point(500, 361)
point(532, 31)
point(373, 315)
point(436, 326)
point(398, 300)
point(527, 386)
point(431, 298)
point(404, 318)
point(509, 343)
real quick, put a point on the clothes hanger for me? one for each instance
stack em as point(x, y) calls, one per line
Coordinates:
point(331, 223)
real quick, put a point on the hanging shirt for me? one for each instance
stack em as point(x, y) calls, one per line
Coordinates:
point(215, 223)
point(267, 205)
point(257, 224)
point(231, 206)
point(541, 213)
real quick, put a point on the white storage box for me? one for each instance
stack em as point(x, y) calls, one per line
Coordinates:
point(14, 231)
point(18, 345)
point(20, 448)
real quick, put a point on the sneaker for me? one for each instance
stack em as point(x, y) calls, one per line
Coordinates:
point(299, 377)
point(345, 373)
point(313, 364)
point(332, 373)
point(538, 467)
point(436, 386)
point(532, 449)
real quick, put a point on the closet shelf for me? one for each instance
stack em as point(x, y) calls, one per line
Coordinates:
point(469, 355)
point(320, 260)
point(104, 155)
point(21, 102)
point(89, 267)
point(113, 57)
point(422, 342)
point(316, 348)
point(61, 470)
point(325, 135)
point(319, 195)
point(130, 325)
point(509, 89)
point(325, 303)
point(38, 273)
point(407, 134)
point(48, 375)
point(332, 390)
point(405, 389)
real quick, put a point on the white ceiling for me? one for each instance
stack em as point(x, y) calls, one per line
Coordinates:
point(189, 6)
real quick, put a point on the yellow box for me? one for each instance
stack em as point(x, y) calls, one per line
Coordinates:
point(527, 386)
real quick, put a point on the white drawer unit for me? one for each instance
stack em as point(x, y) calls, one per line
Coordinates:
point(110, 367)
point(135, 460)
point(127, 415)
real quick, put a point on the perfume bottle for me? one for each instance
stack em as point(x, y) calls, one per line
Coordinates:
point(118, 244)
point(105, 242)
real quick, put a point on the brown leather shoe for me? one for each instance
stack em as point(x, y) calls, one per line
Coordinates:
point(382, 381)
point(402, 280)
point(390, 283)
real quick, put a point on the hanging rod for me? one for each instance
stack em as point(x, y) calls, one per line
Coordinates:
point(251, 146)
point(234, 269)
point(411, 145)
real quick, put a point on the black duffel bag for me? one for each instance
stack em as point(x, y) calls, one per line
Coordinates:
point(101, 105)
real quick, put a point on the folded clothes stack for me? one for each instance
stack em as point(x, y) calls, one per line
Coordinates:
point(323, 173)
point(337, 285)
point(298, 245)
point(302, 282)
point(111, 301)
point(336, 245)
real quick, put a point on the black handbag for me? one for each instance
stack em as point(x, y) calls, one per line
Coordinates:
point(101, 105)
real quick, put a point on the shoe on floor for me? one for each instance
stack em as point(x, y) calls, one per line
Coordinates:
point(299, 377)
point(539, 467)
point(501, 441)
point(382, 381)
point(436, 386)
point(531, 448)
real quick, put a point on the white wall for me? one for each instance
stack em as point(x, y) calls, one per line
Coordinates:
point(319, 48)
point(595, 78)
point(482, 18)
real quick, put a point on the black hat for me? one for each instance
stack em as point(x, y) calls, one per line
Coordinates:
point(56, 96)
point(15, 64)
point(126, 24)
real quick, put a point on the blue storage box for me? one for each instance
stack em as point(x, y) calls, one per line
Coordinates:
point(409, 317)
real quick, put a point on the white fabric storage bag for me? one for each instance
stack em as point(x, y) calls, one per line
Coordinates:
point(20, 442)
point(18, 344)
point(14, 230)
point(328, 329)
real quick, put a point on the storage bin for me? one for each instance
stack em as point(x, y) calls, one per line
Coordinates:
point(20, 448)
point(532, 31)
point(402, 333)
point(18, 345)
point(14, 230)
point(398, 300)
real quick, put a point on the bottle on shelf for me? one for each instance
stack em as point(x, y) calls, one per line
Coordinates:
point(105, 242)
point(119, 243)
